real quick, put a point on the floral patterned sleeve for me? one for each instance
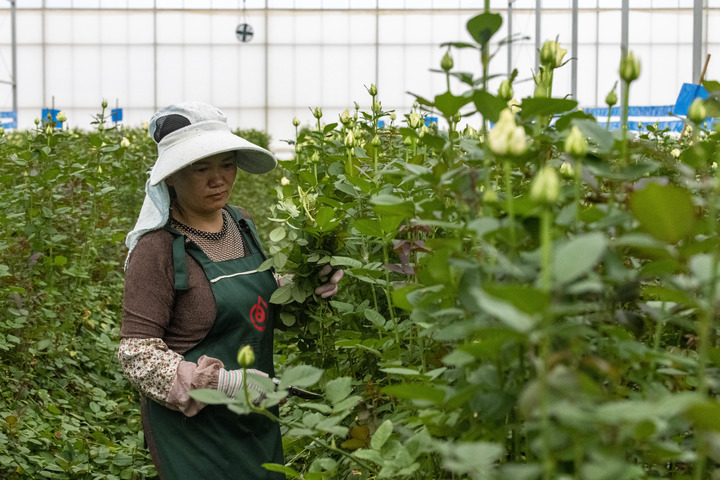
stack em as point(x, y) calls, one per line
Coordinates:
point(162, 375)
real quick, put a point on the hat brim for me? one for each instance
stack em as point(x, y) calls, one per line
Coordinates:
point(177, 155)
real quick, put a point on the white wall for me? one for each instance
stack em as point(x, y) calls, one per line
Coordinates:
point(313, 53)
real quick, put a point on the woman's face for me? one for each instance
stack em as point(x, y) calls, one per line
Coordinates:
point(204, 186)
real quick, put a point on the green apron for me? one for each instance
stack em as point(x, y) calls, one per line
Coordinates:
point(216, 443)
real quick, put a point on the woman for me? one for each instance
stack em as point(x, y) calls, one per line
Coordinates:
point(193, 297)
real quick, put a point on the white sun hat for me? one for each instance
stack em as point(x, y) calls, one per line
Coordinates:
point(188, 132)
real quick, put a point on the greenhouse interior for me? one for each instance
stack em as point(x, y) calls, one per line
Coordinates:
point(360, 239)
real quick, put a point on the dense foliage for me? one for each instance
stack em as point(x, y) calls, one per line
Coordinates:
point(535, 300)
point(532, 298)
point(69, 199)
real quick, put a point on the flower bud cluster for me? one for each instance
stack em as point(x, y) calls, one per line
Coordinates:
point(507, 138)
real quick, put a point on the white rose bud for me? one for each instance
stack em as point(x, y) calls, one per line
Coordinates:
point(545, 188)
point(507, 138)
point(415, 120)
point(393, 116)
point(345, 117)
point(377, 107)
point(61, 117)
point(372, 90)
point(675, 152)
point(284, 181)
point(576, 144)
point(125, 143)
point(296, 122)
point(349, 139)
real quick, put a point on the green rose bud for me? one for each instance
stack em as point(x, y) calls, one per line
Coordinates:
point(545, 188)
point(372, 90)
point(296, 122)
point(61, 117)
point(104, 103)
point(393, 117)
point(317, 113)
point(576, 144)
point(697, 113)
point(37, 121)
point(447, 62)
point(377, 107)
point(629, 68)
point(376, 141)
point(349, 139)
point(505, 91)
point(2, 131)
point(490, 196)
point(611, 98)
point(246, 357)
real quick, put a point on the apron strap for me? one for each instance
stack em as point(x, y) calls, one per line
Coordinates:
point(181, 274)
point(248, 227)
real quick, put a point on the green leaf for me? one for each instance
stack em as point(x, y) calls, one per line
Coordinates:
point(381, 435)
point(665, 211)
point(578, 256)
point(489, 105)
point(482, 27)
point(477, 299)
point(211, 396)
point(282, 295)
point(338, 389)
point(345, 262)
point(324, 217)
point(43, 344)
point(300, 376)
point(376, 319)
point(596, 134)
point(275, 467)
point(449, 104)
point(277, 234)
point(59, 260)
point(391, 205)
point(288, 319)
point(369, 227)
point(415, 391)
point(400, 371)
point(542, 107)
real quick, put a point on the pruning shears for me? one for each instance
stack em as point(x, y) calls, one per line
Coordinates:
point(298, 392)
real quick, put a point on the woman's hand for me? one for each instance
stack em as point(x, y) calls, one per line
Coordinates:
point(331, 288)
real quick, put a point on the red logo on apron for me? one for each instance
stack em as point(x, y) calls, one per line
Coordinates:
point(257, 314)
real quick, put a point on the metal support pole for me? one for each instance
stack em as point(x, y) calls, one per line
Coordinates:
point(155, 58)
point(14, 56)
point(697, 40)
point(377, 43)
point(510, 43)
point(625, 27)
point(574, 54)
point(267, 69)
point(538, 9)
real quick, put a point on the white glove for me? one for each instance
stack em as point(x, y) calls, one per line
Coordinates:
point(231, 381)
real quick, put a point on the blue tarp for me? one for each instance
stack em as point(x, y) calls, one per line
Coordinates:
point(11, 123)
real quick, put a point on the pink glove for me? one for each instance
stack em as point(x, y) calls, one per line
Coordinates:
point(330, 288)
